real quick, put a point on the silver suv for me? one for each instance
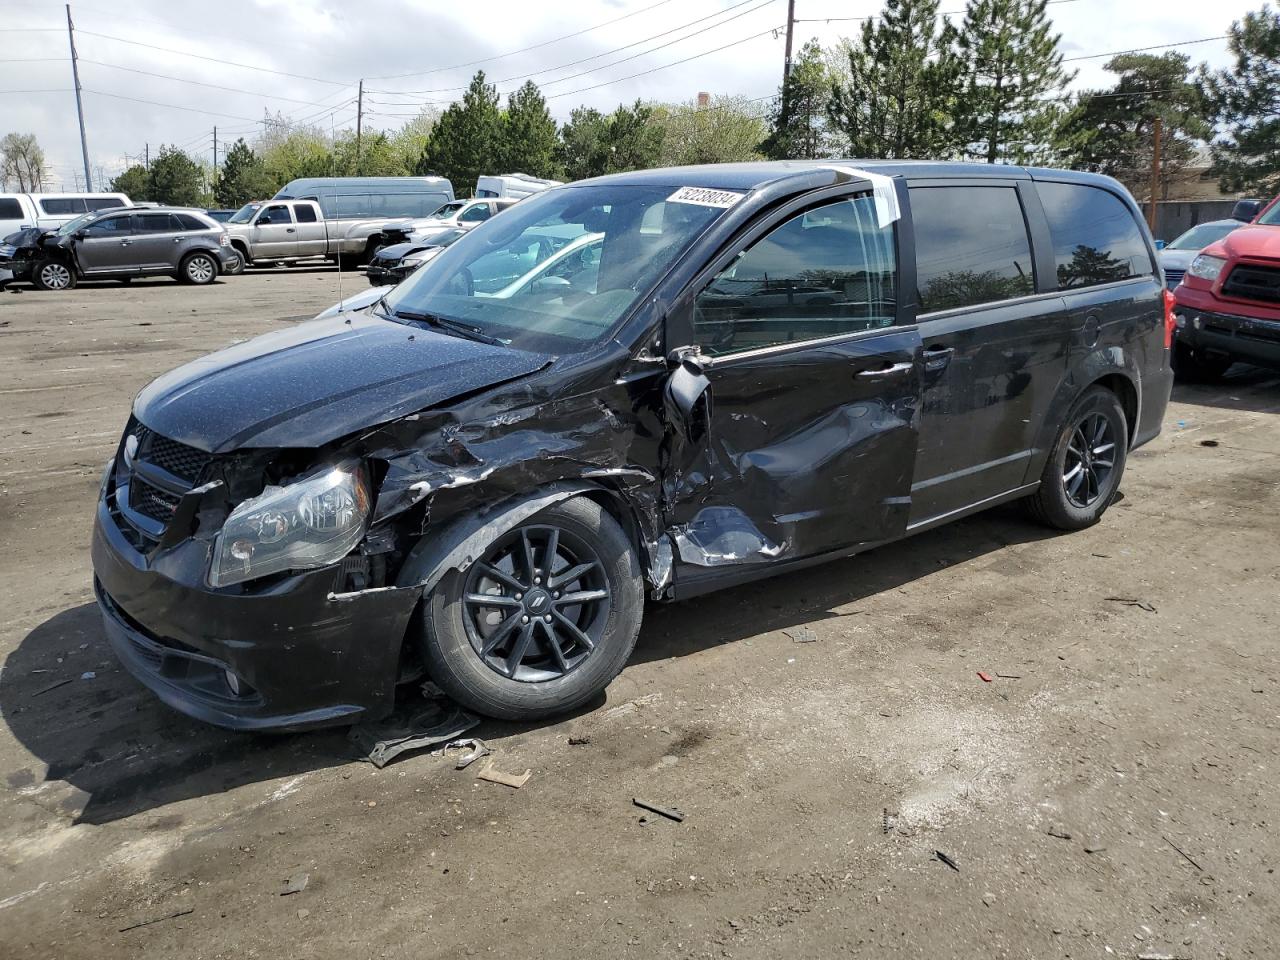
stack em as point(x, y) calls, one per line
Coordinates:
point(121, 244)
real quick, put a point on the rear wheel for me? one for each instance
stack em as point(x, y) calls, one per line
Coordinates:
point(53, 275)
point(1085, 465)
point(199, 269)
point(1196, 366)
point(543, 621)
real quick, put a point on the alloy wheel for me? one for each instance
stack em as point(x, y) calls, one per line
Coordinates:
point(1090, 460)
point(537, 604)
point(55, 276)
point(200, 269)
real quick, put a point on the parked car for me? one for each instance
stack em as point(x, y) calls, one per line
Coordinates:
point(516, 186)
point(464, 214)
point(335, 218)
point(120, 244)
point(392, 263)
point(21, 211)
point(491, 486)
point(1177, 255)
point(1228, 303)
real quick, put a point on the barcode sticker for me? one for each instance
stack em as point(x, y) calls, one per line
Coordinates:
point(705, 197)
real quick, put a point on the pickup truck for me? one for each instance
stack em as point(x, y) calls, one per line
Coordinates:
point(286, 231)
point(1228, 303)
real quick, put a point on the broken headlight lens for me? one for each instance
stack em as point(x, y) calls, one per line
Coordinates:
point(300, 526)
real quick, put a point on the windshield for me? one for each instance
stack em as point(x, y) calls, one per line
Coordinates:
point(71, 226)
point(245, 213)
point(1272, 216)
point(557, 271)
point(446, 238)
point(448, 210)
point(1197, 238)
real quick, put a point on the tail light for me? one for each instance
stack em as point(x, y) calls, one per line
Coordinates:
point(1169, 322)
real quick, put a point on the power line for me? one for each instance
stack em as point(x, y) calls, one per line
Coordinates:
point(201, 83)
point(171, 106)
point(1158, 46)
point(536, 46)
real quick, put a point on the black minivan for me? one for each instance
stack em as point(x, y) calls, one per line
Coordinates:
point(715, 374)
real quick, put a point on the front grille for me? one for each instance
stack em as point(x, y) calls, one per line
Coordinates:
point(1249, 282)
point(152, 501)
point(1173, 277)
point(153, 495)
point(182, 461)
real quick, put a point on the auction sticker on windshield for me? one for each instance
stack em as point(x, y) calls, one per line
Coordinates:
point(704, 197)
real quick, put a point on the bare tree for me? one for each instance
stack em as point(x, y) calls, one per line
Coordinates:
point(22, 165)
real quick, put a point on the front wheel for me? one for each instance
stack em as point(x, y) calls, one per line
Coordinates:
point(53, 275)
point(236, 266)
point(1085, 465)
point(199, 269)
point(543, 621)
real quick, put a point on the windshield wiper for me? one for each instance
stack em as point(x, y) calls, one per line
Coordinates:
point(449, 325)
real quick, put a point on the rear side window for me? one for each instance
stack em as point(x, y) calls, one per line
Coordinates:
point(102, 203)
point(305, 213)
point(57, 206)
point(152, 223)
point(825, 272)
point(10, 209)
point(188, 222)
point(971, 246)
point(1095, 236)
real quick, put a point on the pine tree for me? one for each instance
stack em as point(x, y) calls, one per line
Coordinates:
point(243, 177)
point(465, 143)
point(798, 119)
point(593, 144)
point(529, 136)
point(134, 183)
point(176, 179)
point(901, 84)
point(1013, 67)
point(1246, 101)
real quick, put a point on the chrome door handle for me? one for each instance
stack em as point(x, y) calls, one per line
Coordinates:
point(290, 230)
point(889, 370)
point(125, 243)
point(177, 239)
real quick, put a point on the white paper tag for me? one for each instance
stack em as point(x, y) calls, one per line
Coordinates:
point(883, 194)
point(705, 197)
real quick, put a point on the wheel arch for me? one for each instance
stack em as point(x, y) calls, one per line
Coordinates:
point(243, 248)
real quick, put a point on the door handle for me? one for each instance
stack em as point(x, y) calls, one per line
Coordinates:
point(290, 230)
point(125, 243)
point(937, 357)
point(887, 369)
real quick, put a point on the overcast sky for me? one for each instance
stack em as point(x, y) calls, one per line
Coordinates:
point(425, 50)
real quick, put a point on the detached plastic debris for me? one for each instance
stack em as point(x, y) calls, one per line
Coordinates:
point(414, 728)
point(295, 884)
point(475, 750)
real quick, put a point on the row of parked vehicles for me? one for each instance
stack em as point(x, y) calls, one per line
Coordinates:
point(53, 241)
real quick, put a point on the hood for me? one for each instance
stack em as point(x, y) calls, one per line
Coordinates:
point(367, 297)
point(319, 381)
point(26, 238)
point(395, 251)
point(1252, 241)
point(1177, 259)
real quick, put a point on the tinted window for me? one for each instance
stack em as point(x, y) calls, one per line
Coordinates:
point(305, 213)
point(1197, 238)
point(102, 203)
point(10, 209)
point(187, 222)
point(277, 214)
point(1095, 237)
point(61, 205)
point(971, 246)
point(475, 214)
point(351, 205)
point(152, 223)
point(109, 227)
point(828, 271)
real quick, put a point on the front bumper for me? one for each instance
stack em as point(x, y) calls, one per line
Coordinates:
point(1249, 339)
point(227, 257)
point(381, 275)
point(302, 655)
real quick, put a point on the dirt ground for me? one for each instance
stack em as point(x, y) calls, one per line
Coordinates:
point(1110, 793)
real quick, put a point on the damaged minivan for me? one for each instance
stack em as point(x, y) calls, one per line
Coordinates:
point(738, 371)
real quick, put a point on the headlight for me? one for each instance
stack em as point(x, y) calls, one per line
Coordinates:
point(420, 257)
point(1206, 267)
point(311, 523)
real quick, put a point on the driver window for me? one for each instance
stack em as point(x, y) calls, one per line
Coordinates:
point(110, 227)
point(827, 271)
point(276, 214)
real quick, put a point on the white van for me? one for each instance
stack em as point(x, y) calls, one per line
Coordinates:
point(50, 210)
point(514, 185)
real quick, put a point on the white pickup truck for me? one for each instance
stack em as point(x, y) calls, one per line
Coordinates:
point(284, 231)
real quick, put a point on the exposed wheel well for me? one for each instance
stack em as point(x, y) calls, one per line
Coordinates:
point(1128, 396)
point(243, 248)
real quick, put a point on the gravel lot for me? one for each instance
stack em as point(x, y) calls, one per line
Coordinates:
point(1110, 793)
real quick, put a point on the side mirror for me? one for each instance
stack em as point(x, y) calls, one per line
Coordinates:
point(1160, 244)
point(78, 235)
point(687, 395)
point(1246, 210)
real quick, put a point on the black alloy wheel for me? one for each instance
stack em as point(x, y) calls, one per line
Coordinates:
point(1091, 454)
point(537, 603)
point(1085, 465)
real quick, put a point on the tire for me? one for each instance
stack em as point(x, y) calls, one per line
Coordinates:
point(1075, 493)
point(198, 269)
point(456, 632)
point(236, 267)
point(53, 275)
point(1196, 366)
point(349, 261)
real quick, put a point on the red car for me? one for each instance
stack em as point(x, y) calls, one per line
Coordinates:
point(1228, 303)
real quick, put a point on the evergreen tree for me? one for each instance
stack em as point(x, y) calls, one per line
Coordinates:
point(529, 138)
point(175, 179)
point(593, 144)
point(1246, 101)
point(898, 95)
point(242, 177)
point(1113, 130)
point(798, 119)
point(1012, 67)
point(466, 141)
point(134, 183)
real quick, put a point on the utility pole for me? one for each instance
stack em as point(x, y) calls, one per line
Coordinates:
point(359, 122)
point(215, 150)
point(1155, 174)
point(146, 156)
point(791, 27)
point(75, 76)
